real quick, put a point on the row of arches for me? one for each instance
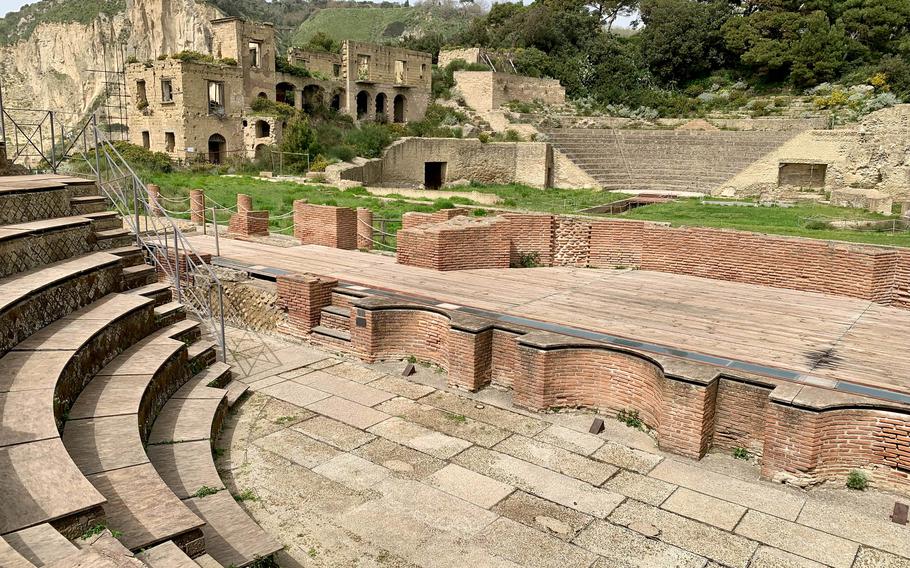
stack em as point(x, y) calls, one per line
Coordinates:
point(380, 107)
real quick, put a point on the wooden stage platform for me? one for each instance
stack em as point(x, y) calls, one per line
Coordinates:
point(824, 337)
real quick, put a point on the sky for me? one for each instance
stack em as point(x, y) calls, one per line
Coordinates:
point(7, 6)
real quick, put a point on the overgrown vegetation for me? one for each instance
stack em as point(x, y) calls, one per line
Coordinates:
point(528, 260)
point(205, 491)
point(741, 453)
point(19, 25)
point(630, 418)
point(246, 495)
point(857, 480)
point(97, 529)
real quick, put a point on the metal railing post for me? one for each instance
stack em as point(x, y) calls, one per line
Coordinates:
point(177, 263)
point(215, 228)
point(98, 156)
point(221, 318)
point(136, 213)
point(53, 143)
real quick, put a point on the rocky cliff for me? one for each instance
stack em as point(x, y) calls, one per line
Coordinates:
point(51, 69)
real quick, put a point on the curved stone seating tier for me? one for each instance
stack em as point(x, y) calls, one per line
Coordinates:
point(32, 199)
point(39, 379)
point(35, 546)
point(33, 299)
point(166, 555)
point(180, 448)
point(105, 435)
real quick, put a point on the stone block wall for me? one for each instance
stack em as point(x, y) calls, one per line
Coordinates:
point(461, 243)
point(485, 91)
point(870, 199)
point(325, 225)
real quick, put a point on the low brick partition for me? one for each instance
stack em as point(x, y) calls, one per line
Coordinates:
point(153, 194)
point(325, 225)
point(804, 434)
point(413, 219)
point(877, 273)
point(304, 296)
point(166, 258)
point(197, 206)
point(246, 222)
point(461, 243)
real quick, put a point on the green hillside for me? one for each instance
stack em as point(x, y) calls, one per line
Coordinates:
point(384, 24)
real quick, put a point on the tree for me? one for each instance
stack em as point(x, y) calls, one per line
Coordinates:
point(608, 10)
point(299, 141)
point(682, 39)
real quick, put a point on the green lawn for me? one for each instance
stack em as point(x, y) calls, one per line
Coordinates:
point(278, 198)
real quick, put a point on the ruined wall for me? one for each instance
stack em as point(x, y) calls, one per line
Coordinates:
point(466, 54)
point(328, 64)
point(500, 162)
point(231, 38)
point(485, 91)
point(455, 244)
point(381, 73)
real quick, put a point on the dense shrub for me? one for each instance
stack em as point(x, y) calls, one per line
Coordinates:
point(139, 157)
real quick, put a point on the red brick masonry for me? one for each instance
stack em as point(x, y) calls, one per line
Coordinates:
point(325, 225)
point(246, 222)
point(877, 273)
point(803, 434)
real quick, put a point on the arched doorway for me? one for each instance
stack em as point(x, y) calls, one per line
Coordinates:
point(261, 153)
point(363, 104)
point(262, 95)
point(336, 102)
point(313, 98)
point(284, 93)
point(217, 148)
point(380, 107)
point(263, 130)
point(401, 108)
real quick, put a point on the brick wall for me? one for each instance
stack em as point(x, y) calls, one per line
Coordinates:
point(462, 243)
point(505, 358)
point(246, 222)
point(529, 234)
point(325, 225)
point(304, 296)
point(572, 242)
point(364, 228)
point(739, 420)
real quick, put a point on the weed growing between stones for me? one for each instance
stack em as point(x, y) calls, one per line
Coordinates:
point(857, 480)
point(741, 453)
point(246, 495)
point(205, 491)
point(630, 418)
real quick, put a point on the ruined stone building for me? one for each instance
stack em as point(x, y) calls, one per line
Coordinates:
point(203, 109)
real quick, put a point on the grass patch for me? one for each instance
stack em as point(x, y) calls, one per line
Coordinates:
point(630, 418)
point(742, 453)
point(97, 529)
point(857, 480)
point(246, 495)
point(459, 418)
point(205, 491)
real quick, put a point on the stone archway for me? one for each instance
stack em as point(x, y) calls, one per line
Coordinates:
point(217, 148)
point(284, 93)
point(313, 98)
point(363, 104)
point(263, 130)
point(400, 108)
point(381, 109)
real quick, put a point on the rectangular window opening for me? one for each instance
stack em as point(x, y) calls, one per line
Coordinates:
point(216, 97)
point(255, 54)
point(167, 91)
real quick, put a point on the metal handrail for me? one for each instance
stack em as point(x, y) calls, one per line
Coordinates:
point(160, 236)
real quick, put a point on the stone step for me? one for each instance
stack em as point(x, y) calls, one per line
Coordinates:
point(131, 255)
point(232, 538)
point(105, 434)
point(105, 220)
point(158, 291)
point(206, 561)
point(88, 204)
point(235, 390)
point(139, 275)
point(334, 336)
point(113, 238)
point(30, 300)
point(189, 420)
point(39, 545)
point(208, 383)
point(201, 354)
point(336, 317)
point(24, 246)
point(166, 555)
point(169, 313)
point(342, 297)
point(185, 331)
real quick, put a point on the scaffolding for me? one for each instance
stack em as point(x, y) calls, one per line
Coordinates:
point(112, 113)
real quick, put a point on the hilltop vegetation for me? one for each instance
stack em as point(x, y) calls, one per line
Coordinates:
point(688, 49)
point(20, 25)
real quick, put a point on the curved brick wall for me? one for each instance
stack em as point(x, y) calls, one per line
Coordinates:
point(403, 332)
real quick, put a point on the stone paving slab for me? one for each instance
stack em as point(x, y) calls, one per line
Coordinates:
point(263, 383)
point(871, 558)
point(800, 540)
point(767, 557)
point(352, 471)
point(401, 387)
point(540, 481)
point(419, 438)
point(453, 424)
point(296, 447)
point(185, 467)
point(704, 508)
point(640, 487)
point(759, 496)
point(531, 548)
point(333, 432)
point(12, 559)
point(497, 417)
point(27, 416)
point(725, 548)
point(355, 372)
point(572, 440)
point(110, 396)
point(294, 393)
point(856, 522)
point(31, 370)
point(470, 486)
point(350, 390)
point(627, 458)
point(556, 520)
point(402, 461)
point(348, 412)
point(445, 551)
point(39, 545)
point(556, 458)
point(185, 420)
point(622, 547)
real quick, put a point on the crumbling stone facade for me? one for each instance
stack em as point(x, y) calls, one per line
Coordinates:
point(198, 110)
point(485, 91)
